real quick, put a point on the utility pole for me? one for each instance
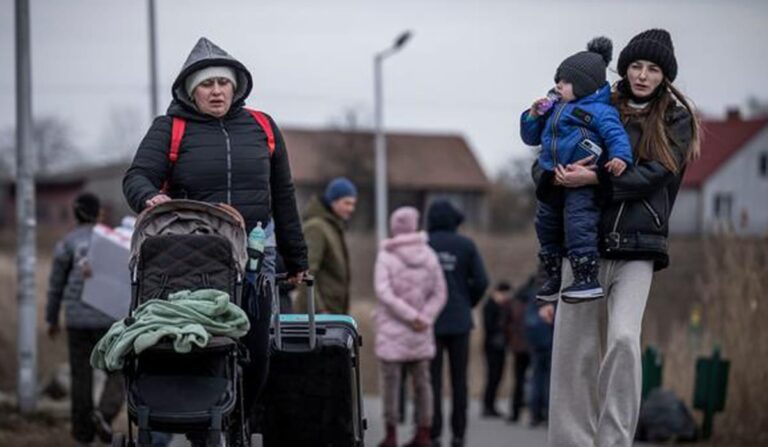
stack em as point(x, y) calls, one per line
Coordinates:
point(152, 61)
point(26, 257)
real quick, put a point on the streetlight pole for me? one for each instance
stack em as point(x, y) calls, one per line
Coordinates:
point(26, 383)
point(380, 143)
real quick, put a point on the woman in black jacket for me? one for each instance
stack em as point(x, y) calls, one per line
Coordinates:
point(596, 367)
point(226, 155)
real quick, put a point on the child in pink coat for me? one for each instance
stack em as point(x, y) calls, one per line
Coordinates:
point(411, 290)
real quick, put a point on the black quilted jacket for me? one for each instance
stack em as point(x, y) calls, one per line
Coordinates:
point(221, 160)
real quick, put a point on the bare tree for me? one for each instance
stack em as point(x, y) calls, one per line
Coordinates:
point(52, 138)
point(758, 108)
point(348, 150)
point(122, 134)
point(511, 198)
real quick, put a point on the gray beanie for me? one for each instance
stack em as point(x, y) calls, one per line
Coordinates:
point(586, 69)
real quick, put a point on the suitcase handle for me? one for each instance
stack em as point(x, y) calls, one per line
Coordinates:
point(309, 280)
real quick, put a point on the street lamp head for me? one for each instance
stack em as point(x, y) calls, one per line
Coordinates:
point(402, 39)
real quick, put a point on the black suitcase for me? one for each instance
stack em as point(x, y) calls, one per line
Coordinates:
point(313, 395)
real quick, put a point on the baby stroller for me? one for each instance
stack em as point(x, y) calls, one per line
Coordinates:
point(187, 245)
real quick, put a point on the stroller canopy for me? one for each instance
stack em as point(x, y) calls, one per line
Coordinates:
point(192, 217)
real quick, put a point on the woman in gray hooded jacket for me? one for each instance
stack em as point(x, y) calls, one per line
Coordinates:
point(226, 155)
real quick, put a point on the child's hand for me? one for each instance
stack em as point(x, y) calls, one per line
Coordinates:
point(534, 110)
point(616, 166)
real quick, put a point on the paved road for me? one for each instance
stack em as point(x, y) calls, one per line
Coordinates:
point(481, 432)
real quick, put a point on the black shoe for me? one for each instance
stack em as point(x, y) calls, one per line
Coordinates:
point(552, 265)
point(585, 285)
point(457, 442)
point(491, 413)
point(103, 428)
point(513, 419)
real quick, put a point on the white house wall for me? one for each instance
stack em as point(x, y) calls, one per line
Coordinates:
point(686, 214)
point(740, 176)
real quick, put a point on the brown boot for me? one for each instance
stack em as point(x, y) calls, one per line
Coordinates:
point(422, 438)
point(391, 438)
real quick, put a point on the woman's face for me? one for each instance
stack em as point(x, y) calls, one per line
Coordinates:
point(644, 77)
point(214, 96)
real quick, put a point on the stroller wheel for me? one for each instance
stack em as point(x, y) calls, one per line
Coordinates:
point(257, 440)
point(118, 440)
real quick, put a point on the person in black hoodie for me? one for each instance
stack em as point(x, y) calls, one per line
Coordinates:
point(466, 279)
point(225, 156)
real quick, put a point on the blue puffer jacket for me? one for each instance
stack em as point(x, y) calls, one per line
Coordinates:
point(563, 129)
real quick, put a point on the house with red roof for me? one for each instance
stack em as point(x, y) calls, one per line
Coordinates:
point(726, 189)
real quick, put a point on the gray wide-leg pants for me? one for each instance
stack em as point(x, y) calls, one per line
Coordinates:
point(596, 367)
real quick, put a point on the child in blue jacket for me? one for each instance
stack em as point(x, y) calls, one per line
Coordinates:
point(582, 123)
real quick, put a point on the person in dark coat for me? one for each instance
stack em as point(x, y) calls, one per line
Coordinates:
point(515, 327)
point(85, 326)
point(466, 279)
point(495, 315)
point(538, 335)
point(225, 156)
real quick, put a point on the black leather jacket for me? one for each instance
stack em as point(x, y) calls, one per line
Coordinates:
point(636, 205)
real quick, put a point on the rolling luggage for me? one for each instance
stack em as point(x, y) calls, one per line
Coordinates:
point(313, 395)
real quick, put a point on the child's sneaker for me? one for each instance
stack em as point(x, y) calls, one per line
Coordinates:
point(552, 265)
point(585, 286)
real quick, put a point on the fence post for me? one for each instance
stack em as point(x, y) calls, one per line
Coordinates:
point(710, 389)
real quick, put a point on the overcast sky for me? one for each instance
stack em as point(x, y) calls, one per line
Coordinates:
point(471, 67)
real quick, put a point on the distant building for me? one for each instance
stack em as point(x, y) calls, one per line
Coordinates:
point(727, 188)
point(422, 167)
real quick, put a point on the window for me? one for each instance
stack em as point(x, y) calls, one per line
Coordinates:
point(723, 206)
point(763, 165)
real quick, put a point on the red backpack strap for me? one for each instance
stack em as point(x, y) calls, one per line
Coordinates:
point(263, 121)
point(177, 133)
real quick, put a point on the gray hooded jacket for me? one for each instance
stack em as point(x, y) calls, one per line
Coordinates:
point(65, 284)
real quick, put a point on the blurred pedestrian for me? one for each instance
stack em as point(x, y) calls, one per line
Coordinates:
point(85, 326)
point(411, 290)
point(538, 334)
point(466, 279)
point(521, 357)
point(210, 147)
point(325, 222)
point(596, 366)
point(495, 315)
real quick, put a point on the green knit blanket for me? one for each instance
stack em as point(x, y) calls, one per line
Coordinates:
point(188, 318)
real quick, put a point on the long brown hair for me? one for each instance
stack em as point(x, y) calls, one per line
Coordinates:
point(655, 143)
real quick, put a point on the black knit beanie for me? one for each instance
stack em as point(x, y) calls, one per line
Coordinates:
point(654, 45)
point(586, 70)
point(86, 208)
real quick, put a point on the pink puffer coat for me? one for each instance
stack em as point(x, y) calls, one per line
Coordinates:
point(409, 284)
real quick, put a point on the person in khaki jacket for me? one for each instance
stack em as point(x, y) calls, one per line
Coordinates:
point(324, 225)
